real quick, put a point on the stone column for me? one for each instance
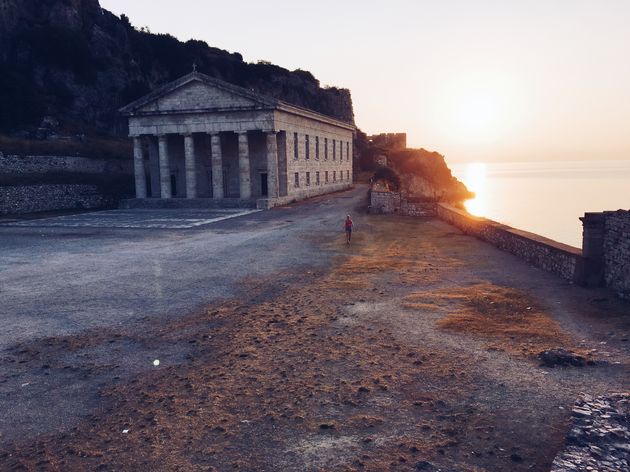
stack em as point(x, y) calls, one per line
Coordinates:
point(138, 167)
point(243, 167)
point(165, 169)
point(217, 166)
point(272, 165)
point(191, 166)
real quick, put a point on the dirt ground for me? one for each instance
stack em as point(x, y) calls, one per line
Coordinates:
point(415, 350)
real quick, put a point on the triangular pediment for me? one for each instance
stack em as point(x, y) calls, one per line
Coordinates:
point(198, 92)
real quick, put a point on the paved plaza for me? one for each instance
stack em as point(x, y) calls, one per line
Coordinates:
point(136, 219)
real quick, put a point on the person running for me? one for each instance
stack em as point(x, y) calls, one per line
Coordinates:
point(348, 226)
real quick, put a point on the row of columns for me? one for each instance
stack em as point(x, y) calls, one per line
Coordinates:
point(216, 163)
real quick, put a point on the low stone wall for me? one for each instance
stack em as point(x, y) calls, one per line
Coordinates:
point(30, 184)
point(35, 198)
point(418, 208)
point(315, 190)
point(544, 253)
point(386, 203)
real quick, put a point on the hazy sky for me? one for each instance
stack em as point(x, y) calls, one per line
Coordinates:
point(473, 79)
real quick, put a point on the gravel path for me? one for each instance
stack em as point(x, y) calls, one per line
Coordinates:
point(282, 348)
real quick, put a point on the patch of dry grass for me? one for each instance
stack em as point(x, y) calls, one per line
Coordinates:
point(506, 317)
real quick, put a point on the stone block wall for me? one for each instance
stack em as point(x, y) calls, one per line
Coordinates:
point(384, 202)
point(605, 259)
point(35, 198)
point(397, 203)
point(17, 165)
point(337, 162)
point(616, 253)
point(30, 184)
point(561, 259)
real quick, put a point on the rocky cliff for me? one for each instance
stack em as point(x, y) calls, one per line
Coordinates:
point(78, 63)
point(425, 175)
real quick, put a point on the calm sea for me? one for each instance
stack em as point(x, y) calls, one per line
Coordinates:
point(546, 198)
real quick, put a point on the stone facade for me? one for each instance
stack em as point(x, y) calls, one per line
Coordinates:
point(199, 137)
point(607, 248)
point(561, 259)
point(617, 252)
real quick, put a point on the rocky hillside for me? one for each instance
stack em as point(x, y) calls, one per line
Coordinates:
point(76, 63)
point(422, 175)
point(425, 175)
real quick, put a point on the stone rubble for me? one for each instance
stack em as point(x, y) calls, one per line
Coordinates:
point(599, 438)
point(561, 357)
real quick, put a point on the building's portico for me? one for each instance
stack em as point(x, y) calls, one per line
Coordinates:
point(200, 138)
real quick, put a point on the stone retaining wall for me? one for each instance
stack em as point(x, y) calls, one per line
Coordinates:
point(34, 198)
point(544, 253)
point(30, 184)
point(42, 164)
point(604, 260)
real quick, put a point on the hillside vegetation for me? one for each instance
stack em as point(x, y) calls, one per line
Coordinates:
point(78, 63)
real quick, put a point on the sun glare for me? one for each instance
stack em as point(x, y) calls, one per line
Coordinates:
point(477, 110)
point(478, 113)
point(475, 180)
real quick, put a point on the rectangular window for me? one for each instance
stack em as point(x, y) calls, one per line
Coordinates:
point(307, 147)
point(326, 149)
point(296, 148)
point(334, 176)
point(317, 178)
point(348, 151)
point(347, 175)
point(317, 147)
point(340, 150)
point(308, 179)
point(326, 177)
point(297, 179)
point(334, 149)
point(341, 175)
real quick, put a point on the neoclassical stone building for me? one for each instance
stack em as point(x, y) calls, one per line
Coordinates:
point(202, 138)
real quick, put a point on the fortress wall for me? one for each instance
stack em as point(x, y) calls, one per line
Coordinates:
point(30, 184)
point(561, 259)
point(33, 198)
point(42, 164)
point(616, 253)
